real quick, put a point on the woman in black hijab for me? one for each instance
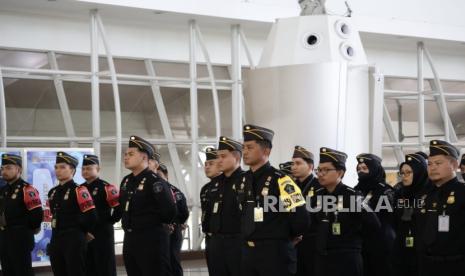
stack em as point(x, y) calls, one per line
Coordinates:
point(414, 176)
point(377, 247)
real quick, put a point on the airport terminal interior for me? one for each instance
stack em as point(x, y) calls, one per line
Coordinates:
point(82, 78)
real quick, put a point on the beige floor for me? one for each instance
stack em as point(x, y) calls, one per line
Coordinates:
point(191, 268)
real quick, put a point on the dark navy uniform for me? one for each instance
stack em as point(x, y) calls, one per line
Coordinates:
point(339, 233)
point(20, 215)
point(378, 246)
point(225, 244)
point(407, 198)
point(73, 216)
point(176, 237)
point(306, 247)
point(206, 204)
point(147, 204)
point(101, 251)
point(441, 222)
point(268, 233)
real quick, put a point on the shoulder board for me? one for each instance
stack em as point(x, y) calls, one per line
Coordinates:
point(112, 195)
point(279, 173)
point(84, 199)
point(31, 197)
point(350, 189)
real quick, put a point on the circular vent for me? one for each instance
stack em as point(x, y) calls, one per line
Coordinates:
point(343, 29)
point(347, 51)
point(311, 40)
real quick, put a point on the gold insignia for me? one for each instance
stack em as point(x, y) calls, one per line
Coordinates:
point(247, 127)
point(361, 160)
point(66, 195)
point(234, 187)
point(409, 159)
point(323, 149)
point(311, 192)
point(434, 204)
point(242, 186)
point(224, 139)
point(451, 199)
point(13, 196)
point(133, 138)
point(423, 211)
point(265, 191)
point(435, 142)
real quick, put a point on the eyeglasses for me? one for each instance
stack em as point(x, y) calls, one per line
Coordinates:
point(324, 171)
point(406, 173)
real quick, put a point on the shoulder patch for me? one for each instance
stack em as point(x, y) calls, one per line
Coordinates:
point(84, 199)
point(157, 187)
point(290, 193)
point(31, 197)
point(112, 195)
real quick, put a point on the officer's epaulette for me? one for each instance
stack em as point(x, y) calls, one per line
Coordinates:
point(319, 190)
point(278, 173)
point(350, 189)
point(382, 184)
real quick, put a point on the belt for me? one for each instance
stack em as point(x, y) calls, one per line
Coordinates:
point(256, 243)
point(226, 236)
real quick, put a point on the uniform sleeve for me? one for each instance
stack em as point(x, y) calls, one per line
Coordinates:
point(300, 221)
point(181, 204)
point(205, 206)
point(35, 213)
point(161, 192)
point(88, 214)
point(370, 221)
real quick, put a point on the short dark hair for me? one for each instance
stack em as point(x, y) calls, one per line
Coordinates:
point(264, 144)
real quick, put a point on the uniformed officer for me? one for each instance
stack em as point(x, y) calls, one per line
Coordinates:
point(441, 218)
point(147, 204)
point(302, 170)
point(73, 217)
point(212, 171)
point(100, 260)
point(270, 228)
point(286, 168)
point(414, 176)
point(225, 244)
point(175, 227)
point(377, 248)
point(20, 218)
point(339, 226)
point(462, 167)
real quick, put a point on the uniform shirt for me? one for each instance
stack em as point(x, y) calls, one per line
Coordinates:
point(309, 186)
point(16, 210)
point(146, 201)
point(224, 212)
point(405, 222)
point(182, 211)
point(71, 207)
point(206, 204)
point(352, 225)
point(106, 199)
point(448, 199)
point(276, 225)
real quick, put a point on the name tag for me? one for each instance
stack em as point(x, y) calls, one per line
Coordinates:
point(215, 208)
point(409, 242)
point(258, 214)
point(336, 229)
point(443, 223)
